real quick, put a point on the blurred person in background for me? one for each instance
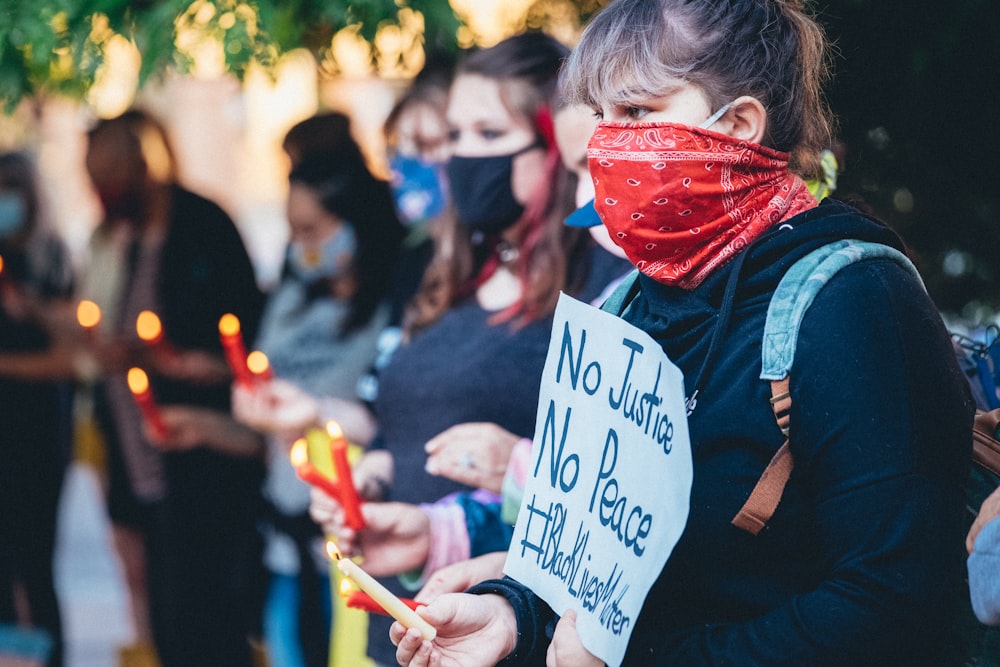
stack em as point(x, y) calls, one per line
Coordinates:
point(36, 369)
point(184, 520)
point(319, 332)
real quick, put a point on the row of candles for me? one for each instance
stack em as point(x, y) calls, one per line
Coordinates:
point(248, 370)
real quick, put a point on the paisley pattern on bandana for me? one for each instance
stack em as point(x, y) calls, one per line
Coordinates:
point(681, 201)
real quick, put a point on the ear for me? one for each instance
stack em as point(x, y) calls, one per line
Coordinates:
point(746, 119)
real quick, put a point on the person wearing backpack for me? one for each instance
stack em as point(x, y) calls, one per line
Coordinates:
point(712, 114)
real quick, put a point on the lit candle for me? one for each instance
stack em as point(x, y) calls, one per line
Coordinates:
point(259, 365)
point(349, 498)
point(381, 595)
point(232, 345)
point(150, 330)
point(138, 382)
point(88, 314)
point(307, 472)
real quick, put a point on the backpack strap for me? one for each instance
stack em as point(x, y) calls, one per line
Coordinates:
point(985, 447)
point(622, 296)
point(794, 294)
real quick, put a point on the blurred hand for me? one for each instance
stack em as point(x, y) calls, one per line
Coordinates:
point(373, 474)
point(189, 427)
point(395, 539)
point(989, 510)
point(566, 650)
point(472, 631)
point(276, 406)
point(474, 453)
point(194, 366)
point(460, 576)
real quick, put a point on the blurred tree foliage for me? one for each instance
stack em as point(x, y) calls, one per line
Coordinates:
point(913, 88)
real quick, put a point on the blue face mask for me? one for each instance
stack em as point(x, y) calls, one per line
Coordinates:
point(331, 260)
point(11, 214)
point(418, 189)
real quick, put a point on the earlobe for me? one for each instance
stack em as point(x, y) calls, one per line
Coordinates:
point(747, 119)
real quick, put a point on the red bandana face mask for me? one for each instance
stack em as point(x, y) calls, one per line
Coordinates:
point(681, 201)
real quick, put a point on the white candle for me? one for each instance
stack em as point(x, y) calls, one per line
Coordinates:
point(382, 595)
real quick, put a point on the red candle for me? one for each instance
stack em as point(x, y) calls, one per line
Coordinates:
point(260, 366)
point(138, 382)
point(349, 497)
point(308, 473)
point(232, 345)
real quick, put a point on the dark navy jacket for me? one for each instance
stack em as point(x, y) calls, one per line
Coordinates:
point(858, 563)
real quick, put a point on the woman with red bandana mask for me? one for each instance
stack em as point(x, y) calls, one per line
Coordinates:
point(711, 116)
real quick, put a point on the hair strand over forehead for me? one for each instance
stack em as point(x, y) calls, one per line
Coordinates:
point(768, 49)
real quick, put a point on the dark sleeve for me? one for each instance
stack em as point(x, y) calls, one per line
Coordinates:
point(533, 617)
point(881, 438)
point(205, 273)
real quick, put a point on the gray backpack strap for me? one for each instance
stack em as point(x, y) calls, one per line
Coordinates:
point(794, 294)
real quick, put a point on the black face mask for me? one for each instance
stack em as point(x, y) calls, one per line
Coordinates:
point(481, 190)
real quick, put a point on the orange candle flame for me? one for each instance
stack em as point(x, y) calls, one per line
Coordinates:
point(299, 454)
point(258, 363)
point(331, 550)
point(88, 314)
point(229, 325)
point(138, 381)
point(148, 326)
point(1, 264)
point(345, 587)
point(333, 428)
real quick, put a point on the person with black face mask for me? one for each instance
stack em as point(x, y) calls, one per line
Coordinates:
point(477, 331)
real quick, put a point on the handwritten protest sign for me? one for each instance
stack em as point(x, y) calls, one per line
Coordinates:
point(608, 489)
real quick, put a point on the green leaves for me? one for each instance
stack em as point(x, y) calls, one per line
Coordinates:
point(58, 46)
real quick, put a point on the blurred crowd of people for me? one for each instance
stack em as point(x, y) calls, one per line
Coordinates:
point(416, 313)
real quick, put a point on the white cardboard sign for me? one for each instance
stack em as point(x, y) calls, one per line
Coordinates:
point(608, 489)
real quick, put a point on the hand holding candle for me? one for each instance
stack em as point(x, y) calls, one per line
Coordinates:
point(349, 498)
point(236, 353)
point(308, 473)
point(138, 382)
point(381, 595)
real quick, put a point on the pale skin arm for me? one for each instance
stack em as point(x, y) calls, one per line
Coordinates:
point(472, 631)
point(283, 408)
point(189, 427)
point(474, 453)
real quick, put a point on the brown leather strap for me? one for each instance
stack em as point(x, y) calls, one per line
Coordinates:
point(985, 447)
point(766, 495)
